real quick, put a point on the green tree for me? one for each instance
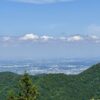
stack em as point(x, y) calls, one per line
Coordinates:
point(26, 90)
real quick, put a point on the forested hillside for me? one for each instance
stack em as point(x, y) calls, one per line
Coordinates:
point(58, 86)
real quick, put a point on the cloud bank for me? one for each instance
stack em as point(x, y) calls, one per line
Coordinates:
point(37, 38)
point(41, 1)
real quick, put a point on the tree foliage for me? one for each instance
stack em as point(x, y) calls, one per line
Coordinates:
point(26, 90)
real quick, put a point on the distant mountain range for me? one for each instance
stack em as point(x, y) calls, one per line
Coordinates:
point(83, 86)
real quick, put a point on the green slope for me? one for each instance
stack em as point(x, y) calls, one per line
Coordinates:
point(58, 86)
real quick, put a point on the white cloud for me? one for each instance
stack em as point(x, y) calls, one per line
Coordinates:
point(29, 37)
point(46, 38)
point(33, 37)
point(94, 37)
point(41, 1)
point(75, 38)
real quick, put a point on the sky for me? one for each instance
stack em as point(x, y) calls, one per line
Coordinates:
point(36, 29)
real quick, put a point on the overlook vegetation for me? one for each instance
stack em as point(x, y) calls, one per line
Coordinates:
point(25, 90)
point(84, 86)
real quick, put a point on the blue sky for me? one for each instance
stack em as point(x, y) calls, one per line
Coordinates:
point(59, 18)
point(49, 28)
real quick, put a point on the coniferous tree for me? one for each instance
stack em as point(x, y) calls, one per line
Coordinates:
point(26, 90)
